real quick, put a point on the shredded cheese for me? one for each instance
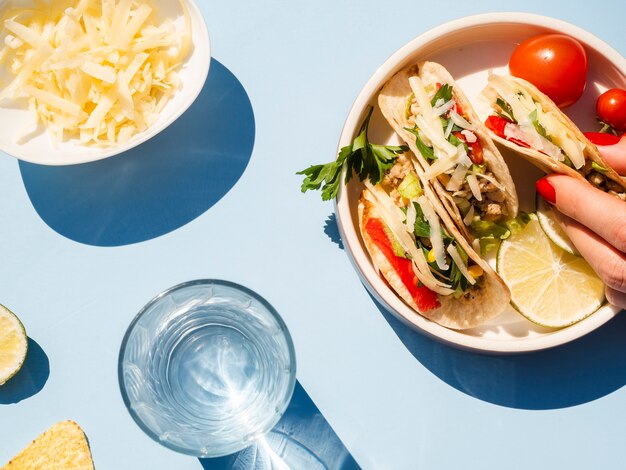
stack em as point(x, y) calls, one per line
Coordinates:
point(456, 257)
point(467, 220)
point(426, 119)
point(98, 71)
point(460, 120)
point(393, 217)
point(523, 105)
point(474, 187)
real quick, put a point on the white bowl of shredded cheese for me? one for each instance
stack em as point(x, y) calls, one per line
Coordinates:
point(83, 80)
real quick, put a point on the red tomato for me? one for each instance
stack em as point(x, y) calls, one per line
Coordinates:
point(554, 63)
point(611, 108)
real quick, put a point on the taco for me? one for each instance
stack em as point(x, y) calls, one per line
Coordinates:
point(454, 152)
point(416, 247)
point(528, 122)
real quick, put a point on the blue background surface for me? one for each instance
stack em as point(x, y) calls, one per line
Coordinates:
point(216, 196)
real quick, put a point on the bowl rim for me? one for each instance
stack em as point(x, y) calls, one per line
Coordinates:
point(361, 261)
point(203, 47)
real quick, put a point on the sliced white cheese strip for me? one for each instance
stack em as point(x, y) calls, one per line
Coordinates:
point(460, 120)
point(456, 257)
point(474, 187)
point(101, 72)
point(457, 178)
point(436, 237)
point(393, 217)
point(54, 101)
point(428, 122)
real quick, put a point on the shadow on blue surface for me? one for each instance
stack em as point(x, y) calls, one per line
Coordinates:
point(302, 439)
point(575, 373)
point(158, 186)
point(332, 230)
point(30, 379)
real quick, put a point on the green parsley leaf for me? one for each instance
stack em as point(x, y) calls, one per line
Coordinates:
point(507, 111)
point(427, 152)
point(454, 140)
point(538, 127)
point(361, 157)
point(445, 122)
point(606, 128)
point(444, 93)
point(421, 227)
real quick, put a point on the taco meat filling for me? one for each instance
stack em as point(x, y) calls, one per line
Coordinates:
point(453, 149)
point(446, 260)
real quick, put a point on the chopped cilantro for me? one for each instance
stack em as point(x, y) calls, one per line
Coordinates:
point(444, 93)
point(506, 110)
point(426, 151)
point(538, 127)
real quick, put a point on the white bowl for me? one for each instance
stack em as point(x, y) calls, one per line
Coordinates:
point(193, 74)
point(468, 48)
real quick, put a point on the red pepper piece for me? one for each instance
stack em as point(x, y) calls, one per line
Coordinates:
point(497, 125)
point(425, 298)
point(475, 149)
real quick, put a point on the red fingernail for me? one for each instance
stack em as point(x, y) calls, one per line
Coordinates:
point(602, 138)
point(546, 190)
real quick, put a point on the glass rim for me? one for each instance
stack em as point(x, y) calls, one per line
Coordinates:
point(181, 286)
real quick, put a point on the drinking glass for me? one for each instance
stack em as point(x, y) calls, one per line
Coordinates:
point(207, 367)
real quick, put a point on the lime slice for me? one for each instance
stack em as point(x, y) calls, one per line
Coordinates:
point(549, 286)
point(13, 344)
point(551, 226)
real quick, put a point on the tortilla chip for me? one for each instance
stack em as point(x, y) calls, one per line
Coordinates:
point(62, 447)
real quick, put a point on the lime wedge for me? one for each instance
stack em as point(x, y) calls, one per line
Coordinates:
point(13, 344)
point(549, 286)
point(551, 226)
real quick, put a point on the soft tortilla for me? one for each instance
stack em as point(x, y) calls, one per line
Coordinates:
point(462, 313)
point(392, 101)
point(542, 161)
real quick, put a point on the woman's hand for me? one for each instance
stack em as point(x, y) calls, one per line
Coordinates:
point(594, 220)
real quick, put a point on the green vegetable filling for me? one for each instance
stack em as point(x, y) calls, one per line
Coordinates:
point(410, 187)
point(505, 110)
point(599, 168)
point(490, 233)
point(427, 152)
point(444, 93)
point(453, 275)
point(538, 127)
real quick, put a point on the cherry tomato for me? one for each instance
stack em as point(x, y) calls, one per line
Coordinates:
point(611, 108)
point(554, 63)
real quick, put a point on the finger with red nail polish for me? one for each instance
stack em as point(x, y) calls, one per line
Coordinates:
point(546, 190)
point(602, 213)
point(612, 148)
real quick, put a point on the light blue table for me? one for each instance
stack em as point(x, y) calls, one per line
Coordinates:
point(215, 196)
